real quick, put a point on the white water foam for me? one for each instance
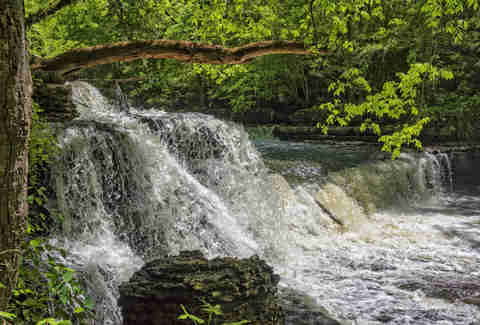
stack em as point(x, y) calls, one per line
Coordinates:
point(134, 186)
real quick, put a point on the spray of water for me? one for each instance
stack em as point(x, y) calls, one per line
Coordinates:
point(134, 186)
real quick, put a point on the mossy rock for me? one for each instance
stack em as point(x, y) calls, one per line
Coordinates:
point(246, 289)
point(300, 133)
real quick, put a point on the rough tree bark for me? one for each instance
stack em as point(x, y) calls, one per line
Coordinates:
point(15, 120)
point(165, 49)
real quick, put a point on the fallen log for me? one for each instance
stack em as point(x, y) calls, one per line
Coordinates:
point(184, 51)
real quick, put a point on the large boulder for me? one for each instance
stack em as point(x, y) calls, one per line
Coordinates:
point(246, 289)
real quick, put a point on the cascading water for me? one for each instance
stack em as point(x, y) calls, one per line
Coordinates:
point(135, 186)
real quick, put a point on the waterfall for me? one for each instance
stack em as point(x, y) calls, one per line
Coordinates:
point(134, 186)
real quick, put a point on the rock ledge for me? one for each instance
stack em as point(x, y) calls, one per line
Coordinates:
point(244, 288)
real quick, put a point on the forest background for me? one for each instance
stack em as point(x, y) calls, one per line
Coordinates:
point(389, 64)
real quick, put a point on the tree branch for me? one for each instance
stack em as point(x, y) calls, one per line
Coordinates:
point(165, 49)
point(170, 16)
point(42, 14)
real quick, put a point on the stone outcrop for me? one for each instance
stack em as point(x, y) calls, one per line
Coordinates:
point(464, 288)
point(246, 289)
point(301, 309)
point(301, 133)
point(56, 103)
point(54, 97)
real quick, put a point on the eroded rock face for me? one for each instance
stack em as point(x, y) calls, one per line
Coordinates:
point(246, 289)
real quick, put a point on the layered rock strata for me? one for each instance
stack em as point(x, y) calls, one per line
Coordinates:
point(246, 289)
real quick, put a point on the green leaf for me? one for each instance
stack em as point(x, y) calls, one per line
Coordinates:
point(196, 319)
point(237, 323)
point(68, 276)
point(34, 243)
point(89, 303)
point(79, 310)
point(8, 316)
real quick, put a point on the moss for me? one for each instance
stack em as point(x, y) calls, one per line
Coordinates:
point(245, 288)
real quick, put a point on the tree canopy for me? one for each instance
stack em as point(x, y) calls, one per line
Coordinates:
point(370, 60)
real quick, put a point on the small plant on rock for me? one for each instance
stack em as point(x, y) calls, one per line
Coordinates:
point(212, 311)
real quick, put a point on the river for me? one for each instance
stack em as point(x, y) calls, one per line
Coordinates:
point(365, 239)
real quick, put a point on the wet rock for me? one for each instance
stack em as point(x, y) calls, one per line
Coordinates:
point(190, 136)
point(55, 100)
point(302, 133)
point(245, 289)
point(472, 300)
point(301, 309)
point(398, 316)
point(463, 287)
point(340, 206)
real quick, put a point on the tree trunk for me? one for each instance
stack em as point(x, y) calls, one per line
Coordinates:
point(15, 120)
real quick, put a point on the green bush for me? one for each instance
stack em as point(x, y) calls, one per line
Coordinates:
point(48, 292)
point(455, 116)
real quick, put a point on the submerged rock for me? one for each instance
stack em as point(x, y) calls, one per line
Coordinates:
point(246, 289)
point(463, 287)
point(301, 309)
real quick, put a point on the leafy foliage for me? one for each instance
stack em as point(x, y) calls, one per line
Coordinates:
point(47, 291)
point(455, 116)
point(42, 146)
point(211, 311)
point(371, 45)
point(43, 150)
point(396, 99)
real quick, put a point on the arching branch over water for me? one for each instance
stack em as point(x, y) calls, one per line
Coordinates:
point(166, 49)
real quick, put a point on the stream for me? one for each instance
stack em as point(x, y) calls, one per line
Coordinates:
point(352, 233)
point(408, 264)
